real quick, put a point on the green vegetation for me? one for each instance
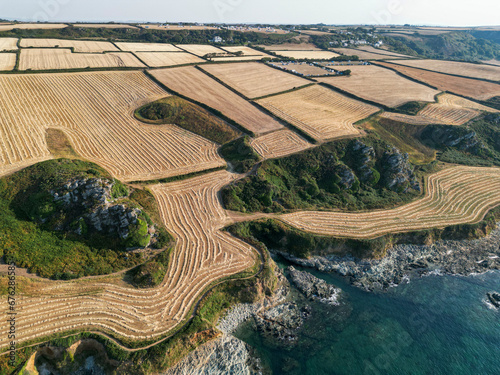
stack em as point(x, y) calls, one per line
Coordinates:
point(410, 108)
point(345, 174)
point(175, 110)
point(151, 273)
point(30, 222)
point(240, 154)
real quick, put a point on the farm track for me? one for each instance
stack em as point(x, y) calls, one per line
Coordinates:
point(203, 254)
point(94, 110)
point(456, 195)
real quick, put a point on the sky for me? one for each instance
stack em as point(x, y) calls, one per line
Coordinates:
point(416, 12)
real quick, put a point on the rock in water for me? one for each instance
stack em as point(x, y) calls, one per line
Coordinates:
point(494, 299)
point(314, 288)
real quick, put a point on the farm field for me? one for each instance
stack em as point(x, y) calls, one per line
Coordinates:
point(472, 88)
point(57, 59)
point(8, 44)
point(7, 61)
point(364, 55)
point(33, 26)
point(306, 69)
point(254, 79)
point(456, 195)
point(470, 70)
point(160, 59)
point(383, 52)
point(320, 55)
point(101, 131)
point(450, 110)
point(291, 47)
point(236, 59)
point(279, 143)
point(200, 49)
point(492, 62)
point(203, 254)
point(191, 82)
point(320, 112)
point(381, 86)
point(85, 46)
point(147, 47)
point(176, 27)
point(105, 25)
point(247, 51)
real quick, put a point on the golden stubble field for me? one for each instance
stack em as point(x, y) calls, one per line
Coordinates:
point(84, 46)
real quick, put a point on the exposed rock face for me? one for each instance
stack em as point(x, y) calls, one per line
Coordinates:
point(225, 355)
point(314, 288)
point(346, 175)
point(403, 261)
point(398, 173)
point(364, 159)
point(494, 299)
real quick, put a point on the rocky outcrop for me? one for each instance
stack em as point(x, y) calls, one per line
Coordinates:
point(364, 159)
point(313, 287)
point(494, 299)
point(346, 176)
point(404, 261)
point(398, 174)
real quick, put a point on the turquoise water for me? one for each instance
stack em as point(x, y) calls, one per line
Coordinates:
point(433, 325)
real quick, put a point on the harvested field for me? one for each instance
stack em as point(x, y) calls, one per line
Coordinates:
point(7, 61)
point(364, 55)
point(200, 49)
point(203, 254)
point(105, 25)
point(291, 47)
point(450, 110)
point(472, 88)
point(159, 59)
point(191, 82)
point(254, 79)
point(279, 143)
point(57, 59)
point(381, 86)
point(247, 51)
point(303, 68)
point(470, 70)
point(320, 112)
point(236, 58)
point(456, 195)
point(8, 44)
point(30, 26)
point(102, 131)
point(383, 52)
point(320, 55)
point(85, 46)
point(492, 62)
point(176, 27)
point(147, 47)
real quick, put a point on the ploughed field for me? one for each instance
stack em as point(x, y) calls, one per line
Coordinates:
point(456, 195)
point(204, 254)
point(94, 110)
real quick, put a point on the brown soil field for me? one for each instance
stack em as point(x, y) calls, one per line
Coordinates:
point(195, 84)
point(364, 55)
point(7, 61)
point(279, 143)
point(320, 55)
point(320, 112)
point(102, 131)
point(381, 86)
point(53, 59)
point(85, 46)
point(8, 44)
point(306, 69)
point(160, 59)
point(147, 47)
point(456, 195)
point(29, 26)
point(247, 51)
point(203, 255)
point(105, 25)
point(450, 110)
point(254, 79)
point(469, 87)
point(470, 70)
point(291, 47)
point(200, 49)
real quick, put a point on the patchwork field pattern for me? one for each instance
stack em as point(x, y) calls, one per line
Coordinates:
point(365, 55)
point(85, 46)
point(247, 51)
point(200, 49)
point(7, 61)
point(195, 84)
point(147, 47)
point(57, 59)
point(102, 131)
point(304, 68)
point(254, 79)
point(320, 55)
point(160, 59)
point(320, 112)
point(279, 143)
point(8, 44)
point(203, 254)
point(457, 195)
point(381, 85)
point(472, 88)
point(470, 70)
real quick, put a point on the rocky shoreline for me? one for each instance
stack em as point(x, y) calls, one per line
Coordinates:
point(402, 262)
